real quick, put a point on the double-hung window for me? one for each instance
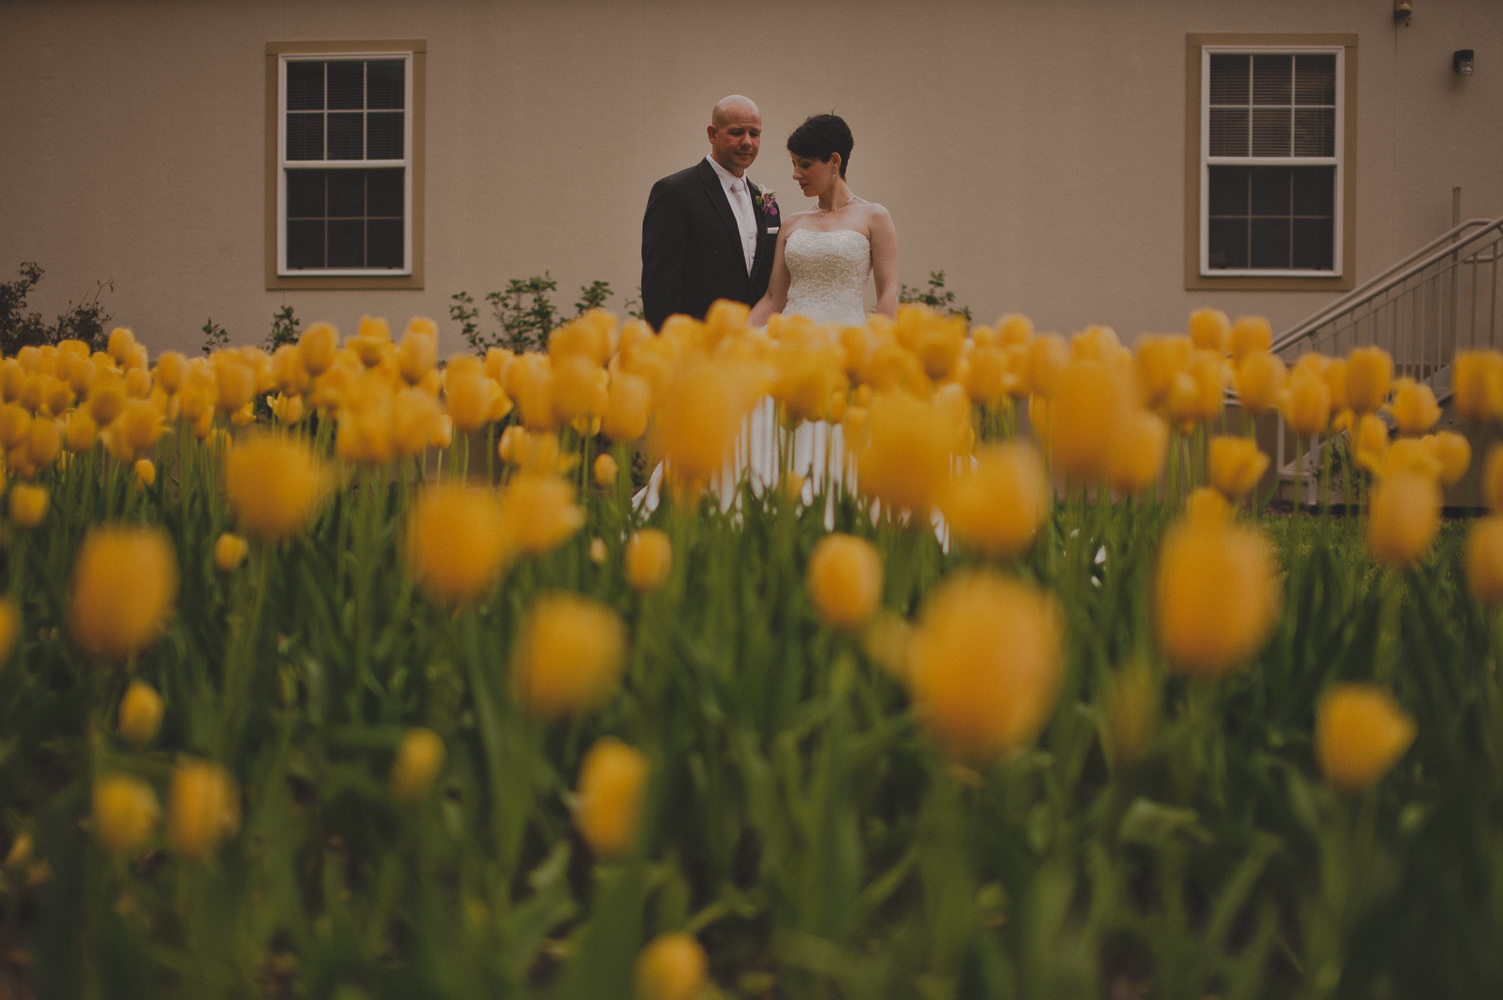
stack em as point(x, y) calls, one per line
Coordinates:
point(1272, 167)
point(346, 180)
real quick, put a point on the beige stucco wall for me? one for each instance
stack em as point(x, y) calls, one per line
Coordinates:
point(1034, 151)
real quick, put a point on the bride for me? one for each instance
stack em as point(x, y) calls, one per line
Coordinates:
point(824, 255)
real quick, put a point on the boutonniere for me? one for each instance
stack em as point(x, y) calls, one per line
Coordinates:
point(766, 202)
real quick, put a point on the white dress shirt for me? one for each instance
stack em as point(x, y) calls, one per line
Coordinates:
point(739, 196)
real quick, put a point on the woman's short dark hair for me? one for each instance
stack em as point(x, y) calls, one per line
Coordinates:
point(821, 137)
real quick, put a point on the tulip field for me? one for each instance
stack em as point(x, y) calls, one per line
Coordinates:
point(344, 671)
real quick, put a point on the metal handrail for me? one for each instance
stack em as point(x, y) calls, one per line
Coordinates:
point(1437, 249)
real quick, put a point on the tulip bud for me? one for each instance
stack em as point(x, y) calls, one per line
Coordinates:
point(125, 813)
point(628, 405)
point(1360, 733)
point(845, 580)
point(419, 756)
point(1369, 375)
point(28, 504)
point(1403, 518)
point(146, 473)
point(539, 511)
point(1454, 453)
point(229, 552)
point(598, 552)
point(1158, 360)
point(1477, 382)
point(673, 966)
point(647, 560)
point(273, 483)
point(203, 807)
point(140, 713)
point(1236, 465)
point(986, 662)
point(1484, 560)
point(1260, 381)
point(1209, 330)
point(316, 347)
point(605, 470)
point(569, 655)
point(123, 588)
point(1307, 404)
point(1414, 408)
point(1249, 335)
point(457, 543)
point(612, 780)
point(1088, 402)
point(1215, 596)
point(998, 505)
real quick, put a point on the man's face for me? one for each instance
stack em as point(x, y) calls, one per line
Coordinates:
point(734, 142)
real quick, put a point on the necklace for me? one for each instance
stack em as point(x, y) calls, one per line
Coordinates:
point(834, 208)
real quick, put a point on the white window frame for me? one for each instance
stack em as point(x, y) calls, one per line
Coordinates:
point(408, 115)
point(1338, 227)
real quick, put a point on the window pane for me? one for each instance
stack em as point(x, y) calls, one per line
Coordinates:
point(346, 193)
point(1228, 132)
point(347, 136)
point(347, 84)
point(305, 136)
point(385, 83)
point(1314, 244)
point(305, 244)
point(347, 243)
point(383, 135)
point(305, 194)
point(1272, 79)
point(1270, 132)
point(1270, 243)
point(1315, 191)
point(1230, 79)
point(384, 193)
point(1228, 190)
point(1314, 131)
point(384, 243)
point(1270, 191)
point(305, 86)
point(1315, 79)
point(1228, 243)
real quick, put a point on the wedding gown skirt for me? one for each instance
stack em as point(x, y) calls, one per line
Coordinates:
point(828, 272)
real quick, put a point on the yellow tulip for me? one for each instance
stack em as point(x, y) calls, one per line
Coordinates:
point(569, 655)
point(170, 370)
point(457, 543)
point(1047, 356)
point(988, 377)
point(673, 966)
point(1249, 335)
point(1307, 404)
point(608, 801)
point(1136, 456)
point(123, 589)
point(986, 662)
point(1158, 361)
point(10, 628)
point(998, 506)
point(141, 712)
point(539, 512)
point(844, 579)
point(419, 756)
point(274, 484)
point(43, 442)
point(28, 504)
point(120, 344)
point(1259, 381)
point(628, 406)
point(905, 457)
point(1236, 465)
point(580, 389)
point(1369, 375)
point(605, 470)
point(698, 421)
point(1484, 560)
point(229, 552)
point(1215, 596)
point(1454, 453)
point(1360, 734)
point(1372, 443)
point(647, 560)
point(416, 355)
point(1414, 408)
point(1412, 456)
point(203, 808)
point(146, 473)
point(1403, 518)
point(1477, 382)
point(316, 347)
point(1209, 330)
point(1089, 401)
point(125, 813)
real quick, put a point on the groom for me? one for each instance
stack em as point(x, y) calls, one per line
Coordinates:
point(709, 233)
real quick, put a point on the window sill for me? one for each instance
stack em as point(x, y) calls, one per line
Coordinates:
point(351, 282)
point(1196, 282)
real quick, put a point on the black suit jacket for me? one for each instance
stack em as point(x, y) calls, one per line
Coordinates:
point(691, 247)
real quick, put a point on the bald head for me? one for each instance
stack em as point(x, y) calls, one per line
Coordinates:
point(735, 133)
point(734, 106)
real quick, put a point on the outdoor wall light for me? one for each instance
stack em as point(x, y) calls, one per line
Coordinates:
point(1402, 9)
point(1461, 62)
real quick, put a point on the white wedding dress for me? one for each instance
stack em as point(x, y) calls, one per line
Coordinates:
point(828, 272)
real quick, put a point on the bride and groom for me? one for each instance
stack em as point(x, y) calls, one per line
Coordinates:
point(710, 233)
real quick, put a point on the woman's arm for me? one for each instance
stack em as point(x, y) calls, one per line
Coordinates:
point(777, 285)
point(884, 239)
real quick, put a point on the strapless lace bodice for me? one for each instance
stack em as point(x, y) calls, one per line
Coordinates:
point(828, 272)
